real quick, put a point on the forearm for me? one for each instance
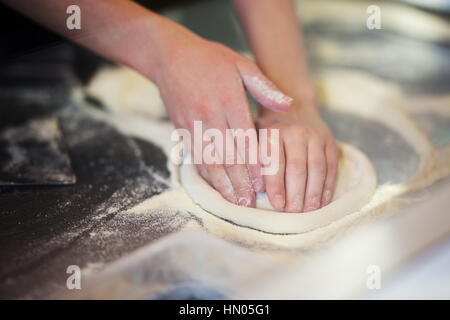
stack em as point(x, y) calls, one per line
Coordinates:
point(120, 30)
point(274, 34)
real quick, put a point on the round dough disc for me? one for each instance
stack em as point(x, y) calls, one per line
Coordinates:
point(355, 186)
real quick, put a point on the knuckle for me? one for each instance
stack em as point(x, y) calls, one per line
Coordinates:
point(332, 166)
point(317, 138)
point(296, 166)
point(318, 166)
point(297, 130)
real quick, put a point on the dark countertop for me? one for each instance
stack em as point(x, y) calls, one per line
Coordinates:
point(44, 229)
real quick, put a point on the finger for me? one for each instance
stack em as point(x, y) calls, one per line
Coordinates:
point(332, 155)
point(296, 173)
point(262, 89)
point(275, 188)
point(239, 176)
point(242, 185)
point(226, 154)
point(316, 166)
point(245, 138)
point(212, 153)
point(219, 179)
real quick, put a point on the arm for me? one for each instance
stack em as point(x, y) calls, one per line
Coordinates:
point(310, 154)
point(272, 29)
point(199, 80)
point(119, 30)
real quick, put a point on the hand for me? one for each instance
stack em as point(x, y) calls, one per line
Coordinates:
point(203, 80)
point(308, 157)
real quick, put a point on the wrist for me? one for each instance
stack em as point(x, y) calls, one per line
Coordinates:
point(146, 53)
point(148, 45)
point(170, 43)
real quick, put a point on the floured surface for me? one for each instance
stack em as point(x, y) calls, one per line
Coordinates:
point(381, 146)
point(33, 154)
point(44, 230)
point(124, 88)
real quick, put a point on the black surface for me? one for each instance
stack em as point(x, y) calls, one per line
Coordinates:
point(34, 154)
point(43, 230)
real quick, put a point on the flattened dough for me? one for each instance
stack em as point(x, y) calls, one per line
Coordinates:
point(356, 184)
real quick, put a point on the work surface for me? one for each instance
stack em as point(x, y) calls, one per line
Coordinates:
point(45, 229)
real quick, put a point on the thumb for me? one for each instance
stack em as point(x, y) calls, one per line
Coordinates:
point(262, 89)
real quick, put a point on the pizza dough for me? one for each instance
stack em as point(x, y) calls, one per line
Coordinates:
point(121, 88)
point(356, 184)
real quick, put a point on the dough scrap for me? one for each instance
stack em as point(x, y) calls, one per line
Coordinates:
point(122, 88)
point(356, 184)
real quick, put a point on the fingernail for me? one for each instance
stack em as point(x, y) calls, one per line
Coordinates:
point(280, 97)
point(243, 201)
point(287, 99)
point(278, 202)
point(315, 204)
point(296, 206)
point(298, 203)
point(327, 197)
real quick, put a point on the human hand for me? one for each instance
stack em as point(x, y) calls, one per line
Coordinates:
point(204, 81)
point(308, 157)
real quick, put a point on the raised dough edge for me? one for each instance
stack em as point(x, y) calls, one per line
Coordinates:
point(284, 223)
